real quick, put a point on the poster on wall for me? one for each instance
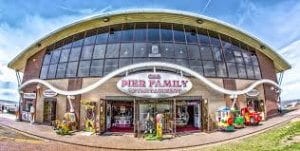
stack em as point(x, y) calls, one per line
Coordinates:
point(29, 95)
point(154, 85)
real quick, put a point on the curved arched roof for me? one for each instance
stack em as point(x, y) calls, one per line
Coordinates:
point(148, 15)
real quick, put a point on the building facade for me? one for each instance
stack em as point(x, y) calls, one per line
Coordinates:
point(120, 69)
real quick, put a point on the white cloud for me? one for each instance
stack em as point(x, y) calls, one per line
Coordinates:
point(291, 79)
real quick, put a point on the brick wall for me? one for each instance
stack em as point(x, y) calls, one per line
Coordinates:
point(268, 72)
point(230, 85)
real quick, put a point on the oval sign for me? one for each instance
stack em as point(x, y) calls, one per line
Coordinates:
point(154, 85)
point(49, 93)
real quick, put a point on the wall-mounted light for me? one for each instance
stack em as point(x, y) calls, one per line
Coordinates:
point(106, 19)
point(199, 21)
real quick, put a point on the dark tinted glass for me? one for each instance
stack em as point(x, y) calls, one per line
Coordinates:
point(114, 34)
point(166, 32)
point(90, 40)
point(47, 58)
point(126, 50)
point(232, 71)
point(257, 72)
point(127, 32)
point(229, 56)
point(112, 51)
point(191, 34)
point(214, 39)
point(153, 32)
point(203, 37)
point(217, 53)
point(125, 62)
point(140, 32)
point(250, 72)
point(102, 36)
point(179, 33)
point(99, 51)
point(242, 71)
point(96, 68)
point(196, 65)
point(221, 69)
point(61, 70)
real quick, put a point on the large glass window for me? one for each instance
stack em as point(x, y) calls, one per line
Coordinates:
point(90, 40)
point(140, 32)
point(166, 32)
point(102, 36)
point(110, 65)
point(194, 52)
point(112, 51)
point(153, 32)
point(61, 70)
point(209, 68)
point(126, 50)
point(167, 50)
point(52, 71)
point(203, 37)
point(74, 54)
point(221, 69)
point(47, 58)
point(217, 53)
point(191, 34)
point(140, 50)
point(72, 69)
point(83, 69)
point(55, 56)
point(64, 55)
point(44, 72)
point(206, 53)
point(124, 62)
point(196, 65)
point(179, 33)
point(180, 51)
point(87, 52)
point(99, 51)
point(114, 34)
point(127, 32)
point(232, 71)
point(96, 68)
point(242, 71)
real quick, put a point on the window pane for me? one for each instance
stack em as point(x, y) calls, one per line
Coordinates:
point(44, 72)
point(90, 40)
point(206, 53)
point(166, 32)
point(64, 55)
point(214, 39)
point(87, 52)
point(194, 51)
point(209, 68)
point(232, 71)
point(140, 50)
point(61, 70)
point(242, 71)
point(203, 37)
point(84, 67)
point(182, 62)
point(180, 51)
point(153, 32)
point(167, 50)
point(110, 65)
point(112, 51)
point(99, 52)
point(217, 53)
point(229, 56)
point(114, 34)
point(191, 35)
point(127, 33)
point(55, 56)
point(250, 72)
point(140, 60)
point(125, 62)
point(196, 65)
point(221, 69)
point(72, 69)
point(126, 50)
point(179, 33)
point(52, 71)
point(75, 53)
point(77, 43)
point(254, 60)
point(102, 36)
point(96, 68)
point(257, 72)
point(47, 58)
point(140, 32)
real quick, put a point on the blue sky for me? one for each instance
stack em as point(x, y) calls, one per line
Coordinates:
point(276, 22)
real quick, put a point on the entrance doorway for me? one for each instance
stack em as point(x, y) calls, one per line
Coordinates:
point(49, 110)
point(188, 116)
point(119, 116)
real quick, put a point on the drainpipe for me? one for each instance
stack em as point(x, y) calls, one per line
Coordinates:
point(20, 95)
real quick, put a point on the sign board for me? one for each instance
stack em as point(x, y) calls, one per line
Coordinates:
point(49, 93)
point(29, 95)
point(154, 85)
point(253, 93)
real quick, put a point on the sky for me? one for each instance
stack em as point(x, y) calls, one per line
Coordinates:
point(276, 22)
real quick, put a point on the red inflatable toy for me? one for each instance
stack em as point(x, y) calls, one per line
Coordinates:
point(251, 117)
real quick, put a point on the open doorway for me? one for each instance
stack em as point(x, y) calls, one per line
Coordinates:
point(187, 116)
